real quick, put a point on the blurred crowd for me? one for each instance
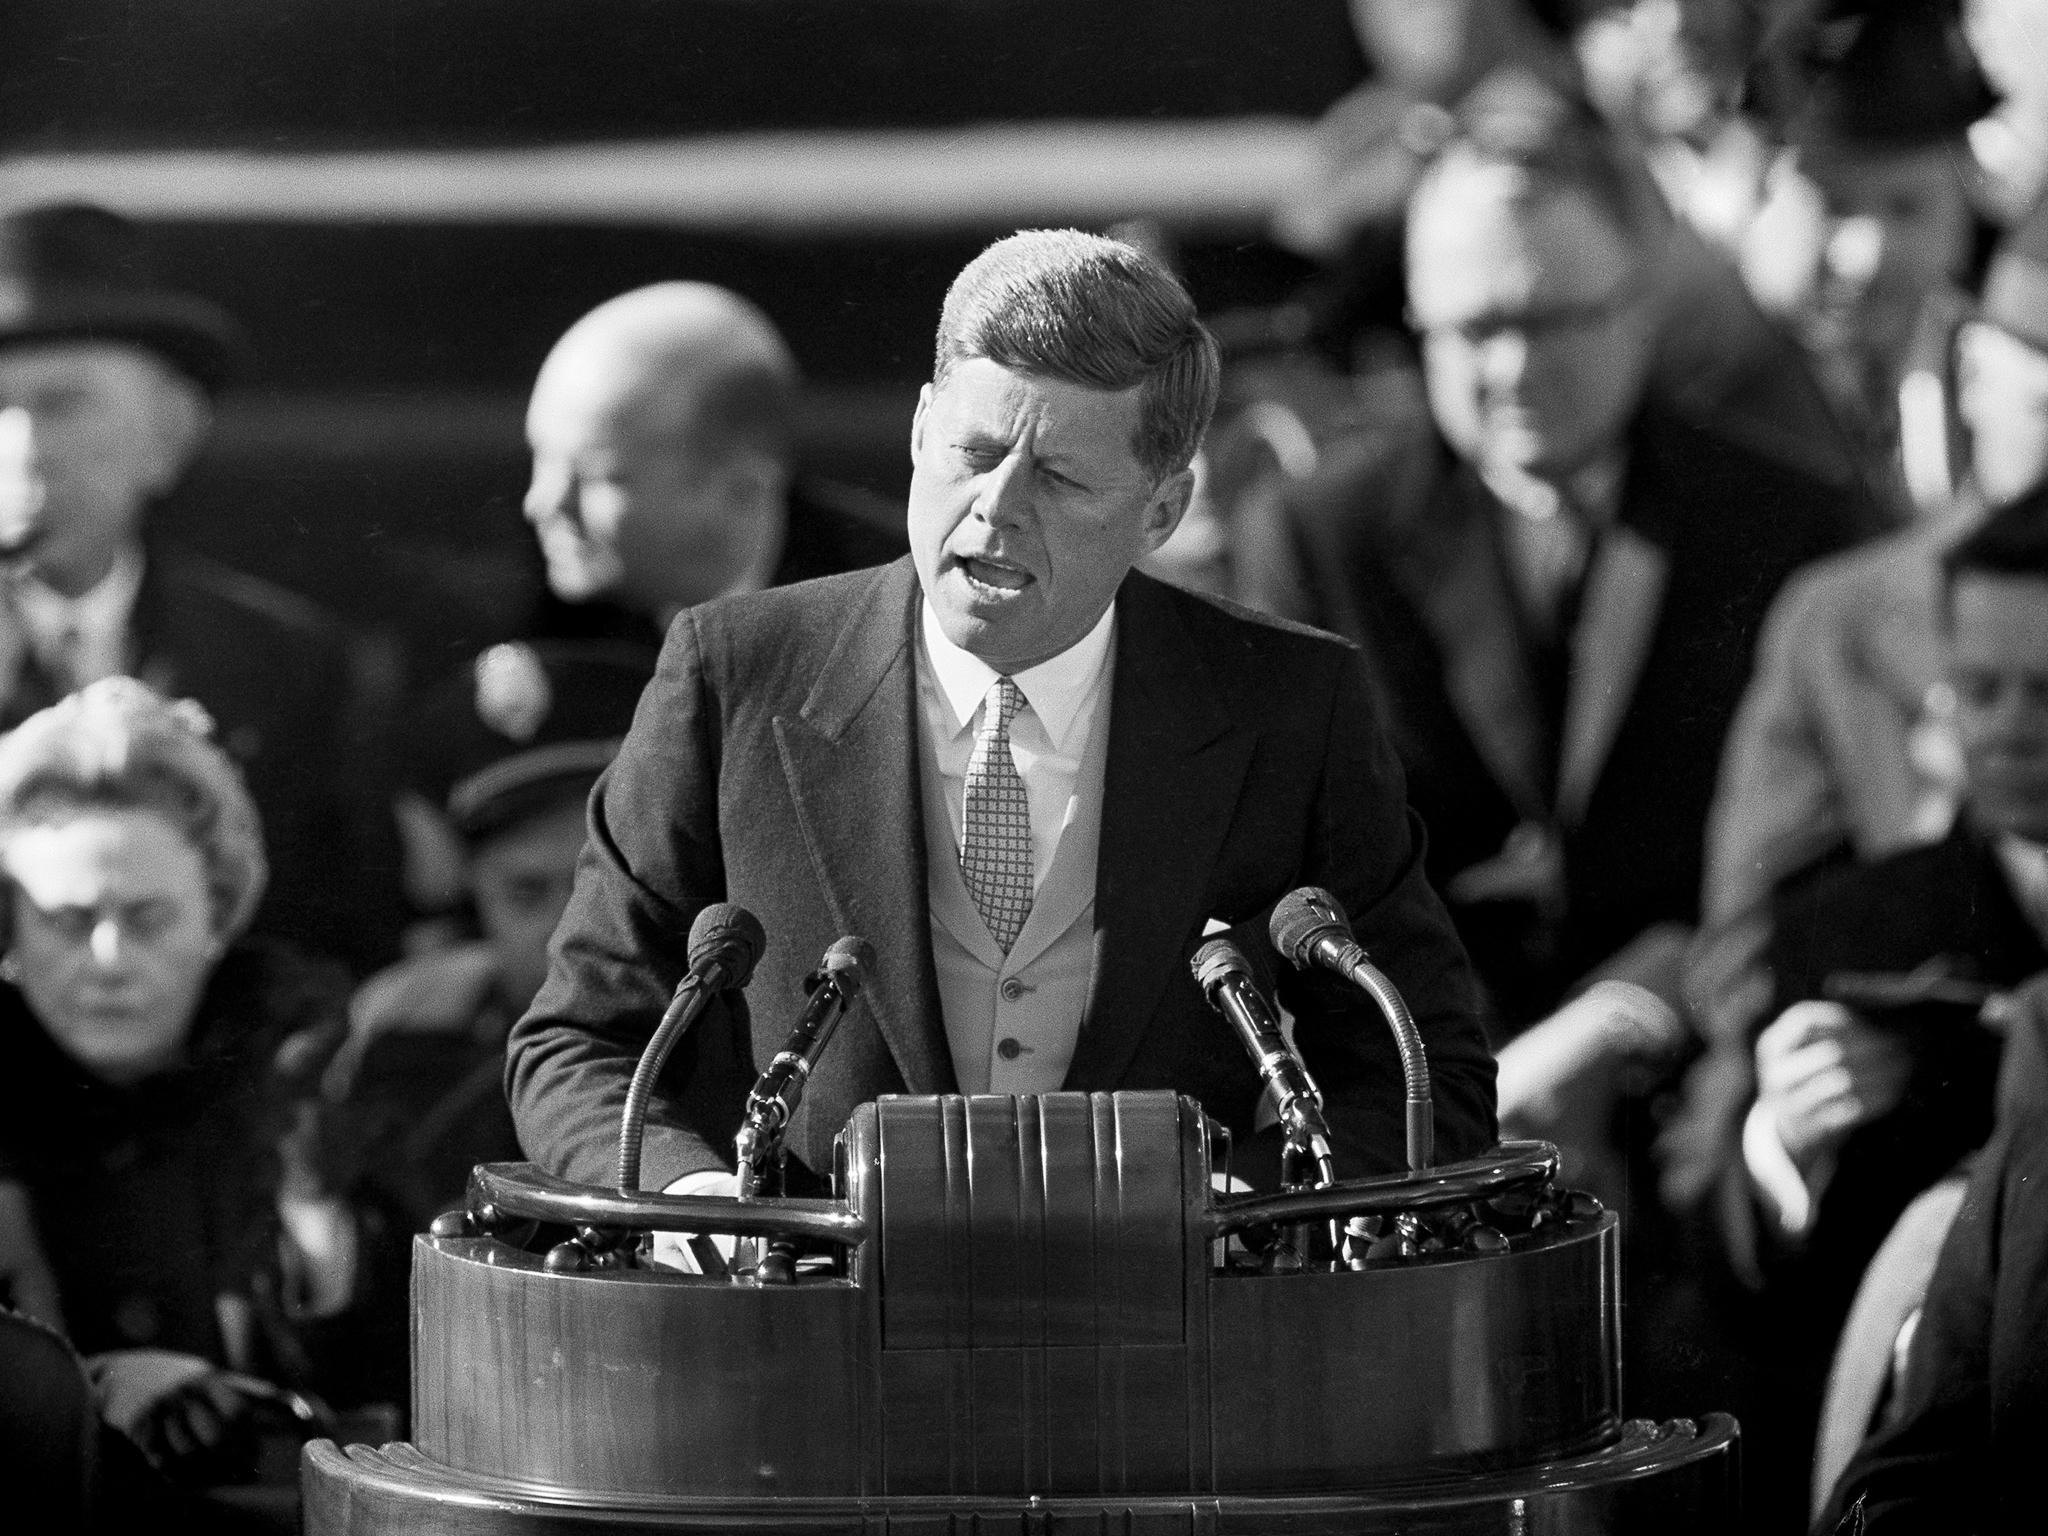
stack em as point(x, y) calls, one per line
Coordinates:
point(1667, 424)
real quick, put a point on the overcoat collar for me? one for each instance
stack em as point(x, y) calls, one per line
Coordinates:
point(1176, 766)
point(850, 756)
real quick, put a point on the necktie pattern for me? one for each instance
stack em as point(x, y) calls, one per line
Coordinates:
point(995, 856)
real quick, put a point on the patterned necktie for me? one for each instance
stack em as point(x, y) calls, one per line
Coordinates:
point(995, 857)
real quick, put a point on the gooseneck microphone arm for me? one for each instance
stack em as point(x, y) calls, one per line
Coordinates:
point(1225, 977)
point(1309, 927)
point(833, 986)
point(725, 943)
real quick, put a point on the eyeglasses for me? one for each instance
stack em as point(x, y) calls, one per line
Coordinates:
point(1539, 326)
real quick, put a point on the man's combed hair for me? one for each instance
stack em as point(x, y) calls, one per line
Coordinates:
point(1531, 142)
point(118, 745)
point(1094, 312)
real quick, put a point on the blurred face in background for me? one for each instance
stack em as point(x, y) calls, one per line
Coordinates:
point(2003, 401)
point(1893, 228)
point(1998, 666)
point(520, 878)
point(626, 505)
point(1669, 68)
point(90, 433)
point(1535, 322)
point(113, 937)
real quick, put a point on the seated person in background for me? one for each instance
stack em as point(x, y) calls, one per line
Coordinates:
point(509, 749)
point(1845, 741)
point(1030, 777)
point(1862, 1102)
point(150, 1055)
point(1559, 595)
point(106, 389)
point(1960, 1454)
point(1841, 737)
point(662, 427)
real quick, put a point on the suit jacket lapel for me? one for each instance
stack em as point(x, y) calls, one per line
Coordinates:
point(1624, 595)
point(1453, 571)
point(850, 756)
point(1175, 767)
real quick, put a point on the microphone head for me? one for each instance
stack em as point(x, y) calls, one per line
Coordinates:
point(726, 933)
point(848, 962)
point(1302, 917)
point(1216, 960)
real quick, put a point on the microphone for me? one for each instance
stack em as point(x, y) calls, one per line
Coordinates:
point(726, 942)
point(757, 1149)
point(1309, 927)
point(1225, 977)
point(778, 1091)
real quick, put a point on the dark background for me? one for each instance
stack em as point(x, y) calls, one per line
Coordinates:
point(370, 449)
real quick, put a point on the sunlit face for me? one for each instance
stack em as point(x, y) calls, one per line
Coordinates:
point(622, 506)
point(520, 880)
point(1668, 67)
point(113, 937)
point(1998, 666)
point(90, 432)
point(1897, 227)
point(1028, 506)
point(1535, 329)
point(2003, 400)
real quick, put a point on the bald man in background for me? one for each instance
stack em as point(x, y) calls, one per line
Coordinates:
point(661, 427)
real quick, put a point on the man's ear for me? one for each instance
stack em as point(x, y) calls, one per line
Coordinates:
point(758, 480)
point(924, 400)
point(181, 416)
point(1169, 504)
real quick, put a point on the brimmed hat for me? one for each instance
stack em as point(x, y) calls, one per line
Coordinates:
point(71, 271)
point(522, 725)
point(2016, 287)
point(1889, 75)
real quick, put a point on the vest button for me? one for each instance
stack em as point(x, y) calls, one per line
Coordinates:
point(1012, 990)
point(1009, 1049)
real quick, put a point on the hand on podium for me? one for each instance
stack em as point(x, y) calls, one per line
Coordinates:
point(696, 1253)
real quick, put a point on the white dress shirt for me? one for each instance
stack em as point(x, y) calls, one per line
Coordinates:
point(1048, 738)
point(77, 640)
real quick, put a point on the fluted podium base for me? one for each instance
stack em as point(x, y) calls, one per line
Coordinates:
point(1671, 1479)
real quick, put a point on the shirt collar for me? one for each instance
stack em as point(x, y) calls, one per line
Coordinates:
point(1590, 493)
point(1055, 689)
point(104, 605)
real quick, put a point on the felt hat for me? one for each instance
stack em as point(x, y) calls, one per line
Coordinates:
point(1889, 75)
point(70, 271)
point(523, 725)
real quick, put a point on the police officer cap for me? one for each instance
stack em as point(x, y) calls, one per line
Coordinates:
point(522, 726)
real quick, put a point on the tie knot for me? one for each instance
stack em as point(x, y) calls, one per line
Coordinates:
point(1000, 706)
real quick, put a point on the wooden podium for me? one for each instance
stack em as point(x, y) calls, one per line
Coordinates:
point(1030, 1316)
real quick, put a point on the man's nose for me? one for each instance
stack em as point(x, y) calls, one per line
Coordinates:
point(551, 493)
point(1002, 498)
point(106, 942)
point(1855, 249)
point(1504, 359)
point(17, 435)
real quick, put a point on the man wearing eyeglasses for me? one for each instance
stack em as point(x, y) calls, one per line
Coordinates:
point(1560, 593)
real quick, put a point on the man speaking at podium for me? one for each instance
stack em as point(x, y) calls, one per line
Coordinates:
point(1029, 777)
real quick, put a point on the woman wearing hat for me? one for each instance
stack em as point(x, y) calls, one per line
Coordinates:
point(152, 1053)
